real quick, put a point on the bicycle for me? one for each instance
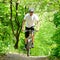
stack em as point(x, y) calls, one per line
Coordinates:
point(29, 42)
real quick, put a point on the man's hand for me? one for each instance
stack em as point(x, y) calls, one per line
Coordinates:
point(36, 29)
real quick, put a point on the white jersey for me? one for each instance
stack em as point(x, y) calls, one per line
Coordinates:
point(30, 20)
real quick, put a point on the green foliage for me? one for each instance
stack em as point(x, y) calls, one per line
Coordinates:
point(44, 44)
point(56, 52)
point(57, 19)
point(6, 40)
point(56, 37)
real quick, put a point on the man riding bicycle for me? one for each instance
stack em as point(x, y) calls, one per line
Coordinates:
point(30, 19)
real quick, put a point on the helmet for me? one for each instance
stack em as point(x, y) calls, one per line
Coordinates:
point(31, 9)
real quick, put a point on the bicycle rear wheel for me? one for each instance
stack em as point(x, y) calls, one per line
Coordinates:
point(28, 52)
point(28, 48)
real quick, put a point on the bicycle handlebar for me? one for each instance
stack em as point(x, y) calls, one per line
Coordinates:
point(31, 30)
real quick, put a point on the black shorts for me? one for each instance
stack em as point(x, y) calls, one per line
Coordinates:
point(27, 32)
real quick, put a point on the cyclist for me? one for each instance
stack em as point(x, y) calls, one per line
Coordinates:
point(31, 19)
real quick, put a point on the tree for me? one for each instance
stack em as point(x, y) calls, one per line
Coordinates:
point(16, 24)
point(16, 32)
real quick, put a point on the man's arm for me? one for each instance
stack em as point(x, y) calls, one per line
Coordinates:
point(24, 20)
point(37, 22)
point(23, 25)
point(37, 25)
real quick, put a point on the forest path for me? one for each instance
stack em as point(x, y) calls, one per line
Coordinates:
point(22, 57)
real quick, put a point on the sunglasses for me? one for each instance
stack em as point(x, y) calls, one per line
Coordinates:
point(31, 12)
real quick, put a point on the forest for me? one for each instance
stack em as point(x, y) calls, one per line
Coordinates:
point(47, 39)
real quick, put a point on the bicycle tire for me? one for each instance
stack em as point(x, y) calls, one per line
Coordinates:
point(28, 52)
point(28, 49)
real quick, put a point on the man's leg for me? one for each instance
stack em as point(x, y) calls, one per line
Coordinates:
point(25, 42)
point(26, 37)
point(32, 40)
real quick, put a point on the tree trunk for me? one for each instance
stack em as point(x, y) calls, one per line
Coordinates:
point(18, 26)
point(12, 27)
point(16, 44)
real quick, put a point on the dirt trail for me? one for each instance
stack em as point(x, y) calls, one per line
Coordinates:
point(22, 57)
